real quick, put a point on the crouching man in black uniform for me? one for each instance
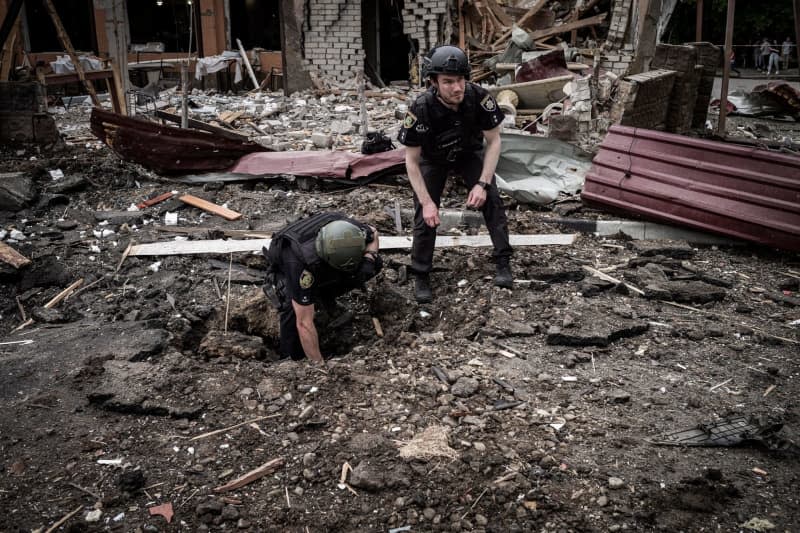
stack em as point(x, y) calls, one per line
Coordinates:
point(444, 132)
point(314, 261)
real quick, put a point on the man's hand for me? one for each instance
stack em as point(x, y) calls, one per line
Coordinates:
point(430, 214)
point(477, 197)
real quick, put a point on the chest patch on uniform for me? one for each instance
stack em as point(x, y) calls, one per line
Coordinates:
point(410, 120)
point(306, 279)
point(488, 103)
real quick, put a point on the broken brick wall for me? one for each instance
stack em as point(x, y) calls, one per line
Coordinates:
point(332, 34)
point(643, 99)
point(423, 22)
point(332, 39)
point(683, 60)
point(619, 48)
point(23, 114)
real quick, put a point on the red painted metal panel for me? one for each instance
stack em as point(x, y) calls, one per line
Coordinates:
point(343, 165)
point(166, 149)
point(742, 192)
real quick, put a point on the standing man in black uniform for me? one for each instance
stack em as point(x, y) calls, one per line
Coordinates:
point(311, 261)
point(444, 132)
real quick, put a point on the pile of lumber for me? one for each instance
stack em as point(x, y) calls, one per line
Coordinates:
point(486, 27)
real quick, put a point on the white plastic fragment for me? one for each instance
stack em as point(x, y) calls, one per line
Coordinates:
point(56, 174)
point(103, 233)
point(171, 219)
point(111, 462)
point(154, 267)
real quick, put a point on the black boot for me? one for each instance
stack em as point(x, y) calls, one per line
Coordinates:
point(422, 289)
point(503, 277)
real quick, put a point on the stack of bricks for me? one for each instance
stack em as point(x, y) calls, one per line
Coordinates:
point(421, 22)
point(708, 56)
point(581, 104)
point(333, 44)
point(683, 60)
point(620, 18)
point(618, 61)
point(643, 99)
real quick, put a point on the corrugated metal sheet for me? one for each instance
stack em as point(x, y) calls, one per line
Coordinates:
point(167, 149)
point(742, 192)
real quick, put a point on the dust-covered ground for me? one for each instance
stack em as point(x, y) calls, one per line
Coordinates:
point(487, 410)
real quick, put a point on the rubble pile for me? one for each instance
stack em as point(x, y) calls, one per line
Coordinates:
point(157, 380)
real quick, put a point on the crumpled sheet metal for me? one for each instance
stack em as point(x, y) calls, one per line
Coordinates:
point(535, 170)
point(776, 98)
point(735, 431)
point(166, 149)
point(336, 165)
point(550, 65)
point(740, 191)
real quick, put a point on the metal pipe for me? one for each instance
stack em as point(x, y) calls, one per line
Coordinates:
point(698, 30)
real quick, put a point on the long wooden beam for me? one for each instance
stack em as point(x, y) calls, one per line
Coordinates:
point(387, 243)
point(67, 44)
point(569, 26)
point(535, 8)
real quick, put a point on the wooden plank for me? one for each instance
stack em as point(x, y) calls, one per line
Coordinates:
point(263, 470)
point(536, 94)
point(12, 257)
point(205, 205)
point(568, 27)
point(387, 243)
point(67, 44)
point(200, 125)
point(500, 13)
point(531, 12)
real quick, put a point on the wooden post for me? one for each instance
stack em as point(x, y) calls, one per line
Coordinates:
point(116, 26)
point(797, 33)
point(726, 69)
point(185, 95)
point(363, 101)
point(67, 44)
point(698, 29)
point(461, 29)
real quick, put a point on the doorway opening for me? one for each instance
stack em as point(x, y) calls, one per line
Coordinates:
point(386, 47)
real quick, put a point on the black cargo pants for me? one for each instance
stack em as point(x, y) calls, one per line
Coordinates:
point(494, 213)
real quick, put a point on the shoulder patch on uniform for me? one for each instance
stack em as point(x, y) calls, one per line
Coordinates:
point(306, 279)
point(488, 103)
point(410, 120)
point(421, 128)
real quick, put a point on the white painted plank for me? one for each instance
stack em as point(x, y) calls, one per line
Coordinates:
point(387, 243)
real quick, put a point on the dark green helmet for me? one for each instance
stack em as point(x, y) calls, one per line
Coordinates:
point(341, 244)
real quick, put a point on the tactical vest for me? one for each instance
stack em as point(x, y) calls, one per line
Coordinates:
point(300, 237)
point(448, 143)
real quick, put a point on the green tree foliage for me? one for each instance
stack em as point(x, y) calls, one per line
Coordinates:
point(753, 20)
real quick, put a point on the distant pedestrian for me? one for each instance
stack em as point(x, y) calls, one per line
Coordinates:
point(765, 55)
point(786, 52)
point(733, 63)
point(774, 59)
point(756, 55)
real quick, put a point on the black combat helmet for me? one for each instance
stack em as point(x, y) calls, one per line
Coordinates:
point(446, 60)
point(341, 244)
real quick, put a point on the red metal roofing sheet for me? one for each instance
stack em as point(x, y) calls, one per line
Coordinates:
point(167, 149)
point(739, 191)
point(346, 165)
